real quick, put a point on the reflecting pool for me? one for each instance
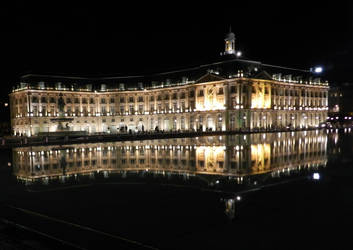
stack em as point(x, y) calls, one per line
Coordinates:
point(221, 192)
point(232, 159)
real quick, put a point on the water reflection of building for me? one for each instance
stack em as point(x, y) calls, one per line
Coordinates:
point(233, 156)
point(230, 94)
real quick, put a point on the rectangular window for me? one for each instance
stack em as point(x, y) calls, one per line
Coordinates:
point(140, 108)
point(44, 112)
point(233, 102)
point(35, 111)
point(104, 110)
point(85, 112)
point(69, 110)
point(52, 109)
point(220, 91)
point(201, 92)
point(192, 104)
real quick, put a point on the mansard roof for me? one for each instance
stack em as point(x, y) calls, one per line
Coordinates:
point(225, 69)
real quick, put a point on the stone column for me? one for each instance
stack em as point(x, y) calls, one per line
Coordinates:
point(226, 117)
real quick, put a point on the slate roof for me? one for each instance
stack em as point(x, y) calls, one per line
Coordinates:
point(223, 69)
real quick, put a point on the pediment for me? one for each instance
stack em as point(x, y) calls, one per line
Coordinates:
point(209, 77)
point(263, 75)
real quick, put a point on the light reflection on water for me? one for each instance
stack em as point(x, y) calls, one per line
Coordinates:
point(239, 159)
point(232, 164)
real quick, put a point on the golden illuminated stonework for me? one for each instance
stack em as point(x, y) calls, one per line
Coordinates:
point(229, 95)
point(230, 156)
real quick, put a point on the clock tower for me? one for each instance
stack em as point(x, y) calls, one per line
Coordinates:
point(229, 43)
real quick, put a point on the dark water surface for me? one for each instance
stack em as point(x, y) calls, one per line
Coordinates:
point(266, 191)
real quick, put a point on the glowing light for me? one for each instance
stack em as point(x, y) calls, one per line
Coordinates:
point(318, 70)
point(260, 99)
point(259, 154)
point(316, 176)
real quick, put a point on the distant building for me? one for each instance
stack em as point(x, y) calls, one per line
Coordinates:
point(335, 100)
point(346, 100)
point(5, 126)
point(231, 94)
point(341, 105)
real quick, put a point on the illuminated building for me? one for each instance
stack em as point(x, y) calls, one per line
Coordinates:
point(229, 95)
point(233, 156)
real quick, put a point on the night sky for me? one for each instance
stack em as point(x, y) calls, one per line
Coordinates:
point(91, 40)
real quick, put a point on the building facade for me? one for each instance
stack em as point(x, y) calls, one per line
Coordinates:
point(230, 95)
